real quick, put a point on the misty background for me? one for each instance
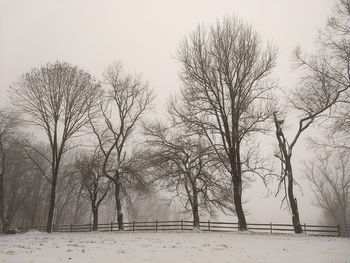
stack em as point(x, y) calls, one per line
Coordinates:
point(144, 35)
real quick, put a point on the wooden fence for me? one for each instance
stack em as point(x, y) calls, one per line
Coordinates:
point(345, 230)
point(184, 225)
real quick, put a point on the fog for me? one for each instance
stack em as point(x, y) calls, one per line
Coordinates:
point(144, 35)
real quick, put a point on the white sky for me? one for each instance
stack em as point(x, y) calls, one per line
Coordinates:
point(144, 35)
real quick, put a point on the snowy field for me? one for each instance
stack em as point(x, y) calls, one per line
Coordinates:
point(102, 247)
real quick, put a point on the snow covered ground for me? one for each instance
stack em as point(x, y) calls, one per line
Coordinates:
point(104, 247)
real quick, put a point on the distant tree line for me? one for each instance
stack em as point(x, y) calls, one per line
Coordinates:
point(99, 149)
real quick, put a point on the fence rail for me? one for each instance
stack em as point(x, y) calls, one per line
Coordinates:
point(184, 225)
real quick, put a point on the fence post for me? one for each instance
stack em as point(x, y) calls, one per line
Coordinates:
point(305, 228)
point(208, 225)
point(238, 225)
point(182, 224)
point(71, 228)
point(90, 227)
point(270, 228)
point(133, 226)
point(339, 232)
point(156, 225)
point(111, 226)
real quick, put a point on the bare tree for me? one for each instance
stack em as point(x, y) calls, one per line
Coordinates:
point(125, 100)
point(185, 164)
point(56, 98)
point(226, 94)
point(325, 80)
point(335, 54)
point(94, 184)
point(312, 100)
point(329, 177)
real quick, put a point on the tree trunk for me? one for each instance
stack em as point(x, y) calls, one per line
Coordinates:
point(237, 186)
point(292, 200)
point(118, 204)
point(295, 216)
point(95, 218)
point(195, 210)
point(52, 203)
point(237, 197)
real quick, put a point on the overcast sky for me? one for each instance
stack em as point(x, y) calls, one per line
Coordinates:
point(144, 35)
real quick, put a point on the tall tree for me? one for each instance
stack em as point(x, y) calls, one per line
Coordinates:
point(126, 99)
point(56, 98)
point(324, 83)
point(226, 94)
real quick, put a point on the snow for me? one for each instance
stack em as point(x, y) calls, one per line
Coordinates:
point(171, 247)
